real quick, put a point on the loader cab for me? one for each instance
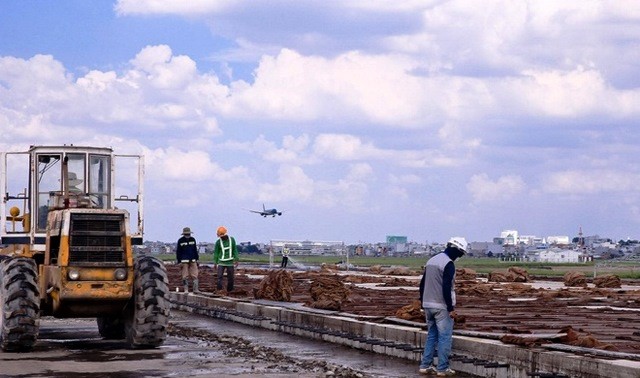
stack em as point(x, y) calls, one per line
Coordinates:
point(60, 177)
point(87, 182)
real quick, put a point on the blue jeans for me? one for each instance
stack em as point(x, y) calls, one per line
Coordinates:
point(440, 333)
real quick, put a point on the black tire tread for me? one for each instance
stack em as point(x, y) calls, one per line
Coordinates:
point(20, 312)
point(149, 315)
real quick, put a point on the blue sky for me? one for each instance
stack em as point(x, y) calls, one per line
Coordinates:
point(359, 119)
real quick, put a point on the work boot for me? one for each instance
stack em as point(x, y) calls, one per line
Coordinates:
point(195, 286)
point(186, 286)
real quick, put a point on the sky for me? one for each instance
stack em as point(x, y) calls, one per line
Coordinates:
point(357, 119)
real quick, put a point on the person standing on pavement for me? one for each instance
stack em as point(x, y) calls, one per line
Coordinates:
point(438, 299)
point(187, 257)
point(225, 257)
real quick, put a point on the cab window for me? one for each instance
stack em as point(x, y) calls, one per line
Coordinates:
point(99, 180)
point(48, 180)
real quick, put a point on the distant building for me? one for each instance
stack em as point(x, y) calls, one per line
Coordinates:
point(396, 239)
point(510, 237)
point(558, 240)
point(309, 247)
point(396, 245)
point(557, 255)
point(530, 240)
point(606, 248)
point(485, 249)
point(592, 241)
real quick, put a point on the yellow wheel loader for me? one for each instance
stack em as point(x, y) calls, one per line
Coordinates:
point(67, 249)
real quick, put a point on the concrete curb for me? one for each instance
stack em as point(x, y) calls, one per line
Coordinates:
point(471, 355)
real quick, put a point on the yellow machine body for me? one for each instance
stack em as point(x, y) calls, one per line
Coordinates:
point(66, 220)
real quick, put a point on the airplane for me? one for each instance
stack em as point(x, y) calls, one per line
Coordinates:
point(266, 212)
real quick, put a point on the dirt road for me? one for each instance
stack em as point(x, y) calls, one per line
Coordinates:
point(197, 347)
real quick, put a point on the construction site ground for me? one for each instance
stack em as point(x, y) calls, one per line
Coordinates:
point(606, 319)
point(591, 320)
point(197, 346)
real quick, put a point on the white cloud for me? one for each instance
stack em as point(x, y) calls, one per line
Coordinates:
point(162, 91)
point(504, 188)
point(293, 185)
point(349, 192)
point(159, 91)
point(192, 166)
point(95, 82)
point(245, 52)
point(357, 102)
point(177, 165)
point(398, 185)
point(359, 171)
point(591, 182)
point(187, 8)
point(291, 151)
point(163, 70)
point(343, 147)
point(390, 5)
point(405, 179)
point(382, 91)
point(291, 86)
point(576, 93)
point(296, 144)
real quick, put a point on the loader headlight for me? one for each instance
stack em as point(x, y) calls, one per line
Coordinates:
point(120, 274)
point(73, 275)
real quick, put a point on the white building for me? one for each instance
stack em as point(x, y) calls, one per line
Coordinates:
point(558, 240)
point(557, 255)
point(510, 237)
point(530, 240)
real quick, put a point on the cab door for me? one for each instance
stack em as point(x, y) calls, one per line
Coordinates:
point(128, 188)
point(16, 219)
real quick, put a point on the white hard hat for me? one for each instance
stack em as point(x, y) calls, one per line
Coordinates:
point(459, 242)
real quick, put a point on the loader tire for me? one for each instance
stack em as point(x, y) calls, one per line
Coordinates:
point(111, 328)
point(20, 304)
point(146, 323)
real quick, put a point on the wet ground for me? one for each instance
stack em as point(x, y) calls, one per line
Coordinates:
point(203, 347)
point(604, 318)
point(197, 347)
